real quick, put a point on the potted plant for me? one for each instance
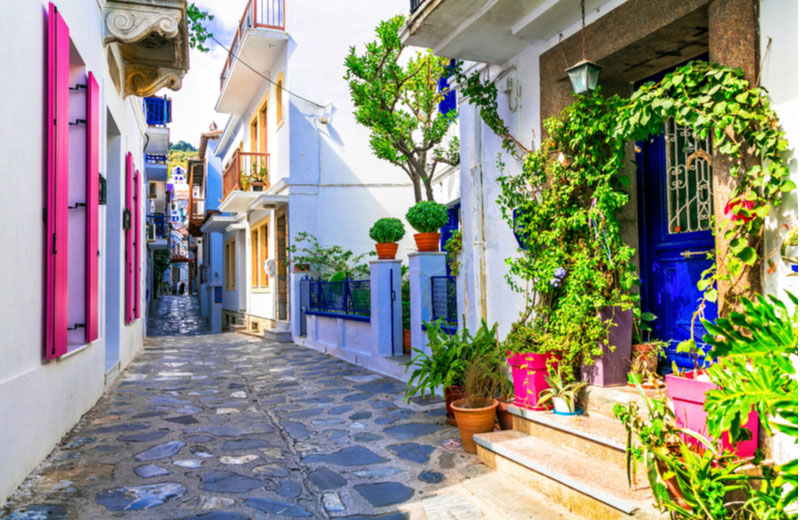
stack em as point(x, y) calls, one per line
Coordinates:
point(476, 411)
point(386, 232)
point(244, 181)
point(561, 395)
point(259, 176)
point(643, 348)
point(529, 361)
point(427, 217)
point(445, 366)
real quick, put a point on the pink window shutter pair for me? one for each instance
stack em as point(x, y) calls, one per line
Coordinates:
point(57, 192)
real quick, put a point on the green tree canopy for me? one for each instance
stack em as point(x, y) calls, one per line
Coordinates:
point(397, 98)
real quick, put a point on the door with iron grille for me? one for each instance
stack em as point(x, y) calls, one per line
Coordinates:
point(676, 212)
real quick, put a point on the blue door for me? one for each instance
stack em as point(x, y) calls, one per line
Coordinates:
point(675, 218)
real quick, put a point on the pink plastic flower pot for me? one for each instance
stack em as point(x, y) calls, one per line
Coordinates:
point(688, 397)
point(528, 371)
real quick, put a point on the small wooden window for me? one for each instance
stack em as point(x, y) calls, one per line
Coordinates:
point(279, 99)
point(259, 252)
point(230, 264)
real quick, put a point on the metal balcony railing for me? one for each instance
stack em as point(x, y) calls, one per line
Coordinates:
point(254, 166)
point(155, 158)
point(415, 5)
point(160, 222)
point(158, 111)
point(267, 14)
point(443, 298)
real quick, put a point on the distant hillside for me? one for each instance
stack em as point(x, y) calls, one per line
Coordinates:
point(179, 153)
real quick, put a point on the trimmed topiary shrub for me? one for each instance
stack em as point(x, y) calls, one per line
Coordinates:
point(427, 216)
point(387, 230)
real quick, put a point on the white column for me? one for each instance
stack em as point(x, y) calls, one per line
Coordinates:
point(421, 267)
point(386, 318)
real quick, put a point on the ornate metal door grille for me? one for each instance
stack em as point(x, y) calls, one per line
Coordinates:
point(689, 193)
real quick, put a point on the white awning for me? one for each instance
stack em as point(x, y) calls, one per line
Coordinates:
point(267, 201)
point(218, 223)
point(239, 201)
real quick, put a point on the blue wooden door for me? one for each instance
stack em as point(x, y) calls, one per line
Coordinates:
point(447, 230)
point(675, 219)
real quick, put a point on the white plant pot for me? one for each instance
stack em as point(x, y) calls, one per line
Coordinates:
point(560, 405)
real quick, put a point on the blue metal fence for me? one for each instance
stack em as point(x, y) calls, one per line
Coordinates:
point(415, 4)
point(155, 158)
point(158, 111)
point(346, 299)
point(160, 223)
point(443, 298)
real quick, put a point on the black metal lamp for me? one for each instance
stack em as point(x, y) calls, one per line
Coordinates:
point(585, 74)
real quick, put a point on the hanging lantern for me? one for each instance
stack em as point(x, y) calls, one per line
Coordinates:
point(584, 76)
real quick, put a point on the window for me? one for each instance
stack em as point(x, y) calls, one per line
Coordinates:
point(279, 99)
point(230, 264)
point(262, 128)
point(254, 135)
point(259, 252)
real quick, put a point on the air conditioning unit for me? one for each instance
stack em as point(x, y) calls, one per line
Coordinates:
point(151, 232)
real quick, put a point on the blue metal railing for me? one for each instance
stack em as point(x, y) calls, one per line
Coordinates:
point(158, 111)
point(415, 4)
point(346, 298)
point(443, 298)
point(155, 158)
point(159, 220)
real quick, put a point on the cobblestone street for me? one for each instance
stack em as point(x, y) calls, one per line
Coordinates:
point(228, 426)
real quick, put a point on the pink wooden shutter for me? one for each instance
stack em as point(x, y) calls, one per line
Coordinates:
point(137, 244)
point(57, 185)
point(92, 204)
point(129, 239)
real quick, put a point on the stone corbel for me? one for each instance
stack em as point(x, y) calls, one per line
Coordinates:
point(145, 81)
point(129, 23)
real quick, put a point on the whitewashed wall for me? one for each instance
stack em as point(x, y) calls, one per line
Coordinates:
point(46, 399)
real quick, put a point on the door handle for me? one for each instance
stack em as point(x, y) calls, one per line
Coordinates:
point(689, 254)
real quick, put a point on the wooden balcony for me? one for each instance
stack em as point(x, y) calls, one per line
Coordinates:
point(254, 166)
point(267, 14)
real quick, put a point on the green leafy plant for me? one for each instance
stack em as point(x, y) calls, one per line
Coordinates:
point(453, 247)
point(198, 32)
point(387, 230)
point(405, 293)
point(450, 354)
point(575, 263)
point(641, 326)
point(481, 382)
point(427, 216)
point(395, 94)
point(561, 387)
point(244, 180)
point(754, 371)
point(329, 262)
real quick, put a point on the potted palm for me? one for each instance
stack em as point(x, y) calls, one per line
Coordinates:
point(562, 396)
point(427, 217)
point(386, 232)
point(476, 411)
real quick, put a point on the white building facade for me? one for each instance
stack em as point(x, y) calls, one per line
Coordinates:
point(74, 269)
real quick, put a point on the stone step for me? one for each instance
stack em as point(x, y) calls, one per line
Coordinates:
point(595, 436)
point(510, 500)
point(279, 336)
point(588, 487)
point(601, 401)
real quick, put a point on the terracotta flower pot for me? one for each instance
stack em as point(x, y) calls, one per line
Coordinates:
point(427, 242)
point(504, 418)
point(452, 393)
point(386, 251)
point(407, 342)
point(301, 268)
point(645, 352)
point(473, 420)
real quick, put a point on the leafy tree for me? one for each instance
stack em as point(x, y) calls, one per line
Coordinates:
point(198, 32)
point(397, 98)
point(160, 266)
point(182, 146)
point(332, 263)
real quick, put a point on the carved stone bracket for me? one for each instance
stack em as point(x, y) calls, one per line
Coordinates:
point(133, 24)
point(151, 39)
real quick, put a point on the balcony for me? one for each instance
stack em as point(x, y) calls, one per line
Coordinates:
point(258, 40)
point(155, 165)
point(490, 32)
point(148, 44)
point(245, 177)
point(157, 111)
point(196, 196)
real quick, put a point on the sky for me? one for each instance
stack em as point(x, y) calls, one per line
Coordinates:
point(193, 104)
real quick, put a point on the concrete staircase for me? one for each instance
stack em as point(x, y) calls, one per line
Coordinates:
point(578, 463)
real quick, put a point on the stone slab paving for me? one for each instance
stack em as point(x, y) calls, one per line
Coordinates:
point(230, 426)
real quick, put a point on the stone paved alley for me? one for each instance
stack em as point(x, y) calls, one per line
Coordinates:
point(229, 426)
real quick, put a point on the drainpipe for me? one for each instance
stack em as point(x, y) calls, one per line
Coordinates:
point(479, 241)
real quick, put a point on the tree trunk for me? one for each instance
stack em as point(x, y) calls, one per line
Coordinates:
point(428, 188)
point(417, 189)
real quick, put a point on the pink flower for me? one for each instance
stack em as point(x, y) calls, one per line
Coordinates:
point(734, 206)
